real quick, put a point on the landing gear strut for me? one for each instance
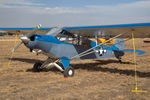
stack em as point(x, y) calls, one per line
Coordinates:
point(68, 71)
point(118, 55)
point(119, 59)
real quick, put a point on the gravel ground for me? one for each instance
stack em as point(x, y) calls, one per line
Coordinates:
point(96, 79)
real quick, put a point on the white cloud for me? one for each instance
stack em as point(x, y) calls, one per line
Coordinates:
point(17, 3)
point(131, 8)
point(63, 10)
point(13, 13)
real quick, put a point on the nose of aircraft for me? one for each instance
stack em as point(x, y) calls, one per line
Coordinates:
point(24, 39)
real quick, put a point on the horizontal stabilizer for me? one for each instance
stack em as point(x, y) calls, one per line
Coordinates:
point(140, 52)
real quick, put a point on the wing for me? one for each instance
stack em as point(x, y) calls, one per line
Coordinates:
point(55, 31)
point(48, 31)
point(20, 30)
point(141, 30)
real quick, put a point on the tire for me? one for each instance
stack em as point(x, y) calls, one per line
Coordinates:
point(37, 67)
point(69, 72)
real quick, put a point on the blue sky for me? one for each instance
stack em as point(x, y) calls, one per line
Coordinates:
point(27, 13)
point(80, 3)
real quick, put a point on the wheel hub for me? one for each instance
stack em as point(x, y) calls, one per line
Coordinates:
point(70, 72)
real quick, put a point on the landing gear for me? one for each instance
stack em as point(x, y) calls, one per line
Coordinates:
point(37, 67)
point(118, 55)
point(69, 72)
point(120, 61)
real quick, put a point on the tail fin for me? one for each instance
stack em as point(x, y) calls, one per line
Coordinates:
point(119, 43)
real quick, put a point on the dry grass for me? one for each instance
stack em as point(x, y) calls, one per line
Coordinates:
point(102, 79)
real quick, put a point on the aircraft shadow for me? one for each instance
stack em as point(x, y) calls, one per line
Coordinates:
point(32, 61)
point(28, 60)
point(104, 62)
point(90, 66)
point(94, 67)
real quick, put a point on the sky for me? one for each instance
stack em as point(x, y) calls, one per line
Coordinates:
point(29, 13)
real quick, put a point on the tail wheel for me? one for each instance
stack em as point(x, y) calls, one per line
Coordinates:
point(37, 67)
point(120, 61)
point(69, 72)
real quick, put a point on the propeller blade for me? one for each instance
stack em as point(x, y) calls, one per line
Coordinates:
point(17, 46)
point(33, 31)
point(25, 39)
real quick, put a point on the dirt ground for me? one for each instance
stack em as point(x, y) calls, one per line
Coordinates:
point(99, 79)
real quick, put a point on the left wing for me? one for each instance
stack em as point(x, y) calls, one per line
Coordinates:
point(24, 30)
point(55, 31)
point(141, 30)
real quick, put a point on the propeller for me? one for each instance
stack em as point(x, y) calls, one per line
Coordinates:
point(17, 46)
point(26, 38)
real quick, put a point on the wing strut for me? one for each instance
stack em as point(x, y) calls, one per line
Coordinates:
point(87, 51)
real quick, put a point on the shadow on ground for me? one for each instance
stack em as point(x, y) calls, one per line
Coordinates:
point(28, 60)
point(92, 67)
point(95, 67)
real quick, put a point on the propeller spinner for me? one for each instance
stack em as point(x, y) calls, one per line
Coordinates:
point(26, 38)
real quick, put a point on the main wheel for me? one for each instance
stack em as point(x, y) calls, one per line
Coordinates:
point(120, 61)
point(69, 72)
point(37, 67)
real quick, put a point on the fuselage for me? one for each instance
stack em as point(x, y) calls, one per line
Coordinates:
point(51, 45)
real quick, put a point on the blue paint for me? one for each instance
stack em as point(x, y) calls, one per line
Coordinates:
point(119, 43)
point(65, 61)
point(31, 44)
point(49, 38)
point(109, 26)
point(80, 27)
point(24, 28)
point(116, 47)
point(140, 52)
point(113, 48)
point(93, 44)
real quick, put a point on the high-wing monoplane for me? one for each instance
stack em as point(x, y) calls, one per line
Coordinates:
point(82, 42)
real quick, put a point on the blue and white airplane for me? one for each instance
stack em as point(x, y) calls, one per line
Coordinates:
point(84, 42)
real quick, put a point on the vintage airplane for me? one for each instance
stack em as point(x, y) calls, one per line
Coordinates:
point(84, 42)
